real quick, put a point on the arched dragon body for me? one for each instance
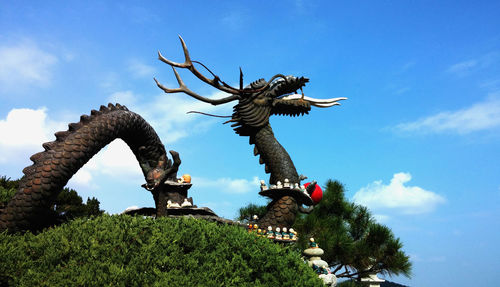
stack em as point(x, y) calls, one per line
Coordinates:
point(63, 157)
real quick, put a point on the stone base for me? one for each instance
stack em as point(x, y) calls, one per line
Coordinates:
point(151, 211)
point(194, 212)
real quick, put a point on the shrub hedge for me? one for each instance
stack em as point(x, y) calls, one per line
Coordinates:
point(135, 251)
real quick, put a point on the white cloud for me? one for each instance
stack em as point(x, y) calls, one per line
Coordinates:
point(23, 132)
point(123, 97)
point(397, 196)
point(24, 127)
point(140, 70)
point(480, 116)
point(462, 67)
point(167, 113)
point(116, 160)
point(466, 67)
point(229, 185)
point(110, 80)
point(82, 177)
point(402, 90)
point(381, 218)
point(491, 84)
point(24, 64)
point(408, 66)
point(415, 258)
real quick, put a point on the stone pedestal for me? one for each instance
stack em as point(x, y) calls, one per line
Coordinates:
point(313, 258)
point(371, 280)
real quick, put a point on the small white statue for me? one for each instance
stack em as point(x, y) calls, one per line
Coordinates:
point(293, 235)
point(263, 185)
point(287, 183)
point(270, 232)
point(278, 234)
point(279, 185)
point(186, 203)
point(286, 236)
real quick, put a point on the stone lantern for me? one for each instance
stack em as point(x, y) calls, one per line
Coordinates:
point(313, 259)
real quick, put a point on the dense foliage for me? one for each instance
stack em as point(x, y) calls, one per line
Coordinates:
point(246, 213)
point(8, 188)
point(354, 243)
point(135, 251)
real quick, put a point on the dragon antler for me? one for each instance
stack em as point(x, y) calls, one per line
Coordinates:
point(216, 82)
point(188, 64)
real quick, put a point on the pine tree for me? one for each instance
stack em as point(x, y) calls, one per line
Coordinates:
point(353, 242)
point(246, 213)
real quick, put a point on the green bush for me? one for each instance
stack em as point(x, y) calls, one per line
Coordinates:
point(6, 195)
point(135, 251)
point(8, 188)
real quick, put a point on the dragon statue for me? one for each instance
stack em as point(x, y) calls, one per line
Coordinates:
point(255, 103)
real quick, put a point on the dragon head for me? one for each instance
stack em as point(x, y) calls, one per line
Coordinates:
point(278, 96)
point(255, 102)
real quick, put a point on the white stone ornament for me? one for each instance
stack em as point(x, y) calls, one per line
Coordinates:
point(313, 257)
point(278, 234)
point(186, 203)
point(371, 280)
point(287, 183)
point(263, 185)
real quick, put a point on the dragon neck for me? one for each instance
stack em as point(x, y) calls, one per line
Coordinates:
point(282, 211)
point(272, 154)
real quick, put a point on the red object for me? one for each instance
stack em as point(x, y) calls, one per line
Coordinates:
point(317, 194)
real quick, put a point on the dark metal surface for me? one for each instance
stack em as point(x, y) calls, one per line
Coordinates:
point(277, 193)
point(63, 157)
point(254, 105)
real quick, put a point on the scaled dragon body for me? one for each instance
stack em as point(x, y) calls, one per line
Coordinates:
point(63, 157)
point(255, 104)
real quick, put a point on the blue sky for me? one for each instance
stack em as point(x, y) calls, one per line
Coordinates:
point(417, 141)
